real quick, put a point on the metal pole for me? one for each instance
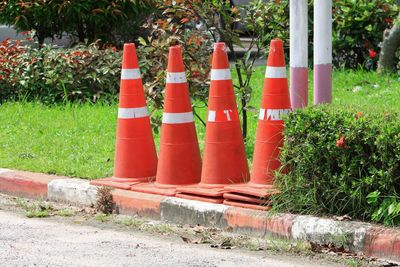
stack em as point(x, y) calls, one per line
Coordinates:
point(322, 51)
point(298, 53)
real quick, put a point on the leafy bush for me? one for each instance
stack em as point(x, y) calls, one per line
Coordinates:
point(358, 30)
point(338, 162)
point(87, 20)
point(172, 27)
point(196, 25)
point(56, 75)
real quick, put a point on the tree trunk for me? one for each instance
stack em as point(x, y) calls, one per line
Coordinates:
point(391, 42)
point(41, 38)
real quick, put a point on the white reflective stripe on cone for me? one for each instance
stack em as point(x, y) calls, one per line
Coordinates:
point(220, 74)
point(130, 74)
point(176, 77)
point(211, 115)
point(177, 118)
point(275, 72)
point(262, 114)
point(132, 113)
point(273, 114)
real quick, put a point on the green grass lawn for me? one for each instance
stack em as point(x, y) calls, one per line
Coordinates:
point(78, 140)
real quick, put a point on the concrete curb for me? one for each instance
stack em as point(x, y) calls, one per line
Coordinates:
point(373, 241)
point(74, 191)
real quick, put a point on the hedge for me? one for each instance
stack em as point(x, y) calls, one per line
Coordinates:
point(337, 161)
point(49, 75)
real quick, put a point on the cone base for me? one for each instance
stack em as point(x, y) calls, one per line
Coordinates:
point(153, 188)
point(247, 198)
point(119, 184)
point(209, 199)
point(240, 204)
point(250, 195)
point(133, 180)
point(202, 190)
point(255, 190)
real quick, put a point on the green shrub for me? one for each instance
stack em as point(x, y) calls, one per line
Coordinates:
point(52, 75)
point(89, 21)
point(196, 25)
point(358, 29)
point(338, 161)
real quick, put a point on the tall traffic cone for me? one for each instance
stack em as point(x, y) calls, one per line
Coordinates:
point(269, 137)
point(225, 159)
point(179, 156)
point(135, 153)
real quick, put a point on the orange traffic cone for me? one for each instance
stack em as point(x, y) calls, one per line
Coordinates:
point(179, 156)
point(135, 153)
point(269, 137)
point(225, 159)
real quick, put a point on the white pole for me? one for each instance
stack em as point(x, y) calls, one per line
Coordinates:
point(298, 53)
point(322, 51)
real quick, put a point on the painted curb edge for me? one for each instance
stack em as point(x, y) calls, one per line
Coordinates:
point(373, 241)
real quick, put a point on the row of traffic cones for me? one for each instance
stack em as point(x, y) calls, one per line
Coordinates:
point(223, 177)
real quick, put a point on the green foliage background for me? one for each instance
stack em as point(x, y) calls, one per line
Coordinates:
point(81, 74)
point(89, 21)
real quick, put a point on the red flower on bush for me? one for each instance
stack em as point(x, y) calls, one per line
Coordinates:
point(341, 142)
point(184, 20)
point(372, 53)
point(77, 53)
point(389, 20)
point(358, 115)
point(195, 74)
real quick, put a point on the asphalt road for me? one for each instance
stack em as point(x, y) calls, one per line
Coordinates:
point(58, 242)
